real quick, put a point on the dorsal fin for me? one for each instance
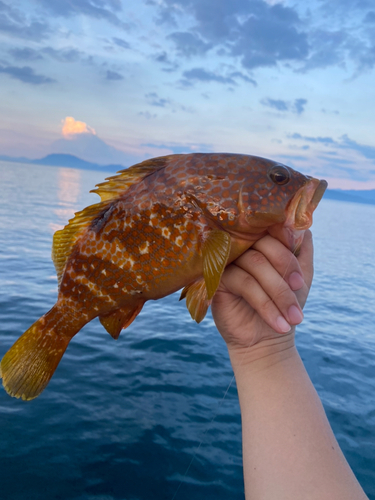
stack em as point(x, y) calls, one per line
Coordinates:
point(65, 239)
point(115, 186)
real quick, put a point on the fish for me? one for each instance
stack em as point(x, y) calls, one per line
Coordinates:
point(169, 223)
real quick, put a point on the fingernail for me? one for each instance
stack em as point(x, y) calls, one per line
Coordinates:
point(296, 281)
point(283, 326)
point(295, 315)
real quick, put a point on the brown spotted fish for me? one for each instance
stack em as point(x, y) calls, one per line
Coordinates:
point(168, 223)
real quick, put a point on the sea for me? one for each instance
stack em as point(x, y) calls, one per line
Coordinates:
point(155, 414)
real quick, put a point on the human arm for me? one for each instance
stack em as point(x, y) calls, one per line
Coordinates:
point(289, 450)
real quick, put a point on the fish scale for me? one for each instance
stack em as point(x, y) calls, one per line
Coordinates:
point(167, 223)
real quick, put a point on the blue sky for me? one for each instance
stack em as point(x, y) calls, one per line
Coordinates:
point(291, 81)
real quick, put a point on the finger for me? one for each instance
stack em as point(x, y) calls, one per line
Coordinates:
point(306, 261)
point(242, 284)
point(282, 259)
point(306, 258)
point(274, 286)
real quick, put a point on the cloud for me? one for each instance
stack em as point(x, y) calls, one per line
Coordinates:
point(121, 43)
point(26, 75)
point(365, 150)
point(277, 104)
point(63, 55)
point(339, 161)
point(264, 33)
point(163, 58)
point(330, 111)
point(339, 172)
point(147, 115)
point(242, 76)
point(155, 100)
point(327, 49)
point(370, 17)
point(271, 34)
point(215, 18)
point(25, 54)
point(72, 127)
point(189, 44)
point(297, 106)
point(13, 22)
point(258, 33)
point(344, 8)
point(203, 75)
point(322, 140)
point(113, 75)
point(343, 143)
point(99, 9)
point(363, 55)
point(178, 149)
point(200, 74)
point(350, 38)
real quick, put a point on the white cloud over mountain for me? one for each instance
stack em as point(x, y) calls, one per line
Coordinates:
point(79, 139)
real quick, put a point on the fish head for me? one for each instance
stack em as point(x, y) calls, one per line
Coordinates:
point(299, 214)
point(282, 202)
point(247, 196)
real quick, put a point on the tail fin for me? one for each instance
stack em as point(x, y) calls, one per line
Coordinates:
point(30, 363)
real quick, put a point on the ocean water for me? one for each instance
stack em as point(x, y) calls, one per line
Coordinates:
point(151, 416)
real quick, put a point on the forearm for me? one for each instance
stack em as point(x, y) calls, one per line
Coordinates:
point(289, 450)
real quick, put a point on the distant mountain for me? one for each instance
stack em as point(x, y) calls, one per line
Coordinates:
point(20, 159)
point(356, 196)
point(65, 160)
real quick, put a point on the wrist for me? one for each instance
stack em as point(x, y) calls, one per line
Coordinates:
point(263, 354)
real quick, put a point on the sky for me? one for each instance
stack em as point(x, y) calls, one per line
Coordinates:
point(117, 81)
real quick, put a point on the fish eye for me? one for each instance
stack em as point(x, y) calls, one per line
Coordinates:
point(279, 175)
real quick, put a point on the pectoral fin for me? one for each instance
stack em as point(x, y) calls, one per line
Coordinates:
point(196, 299)
point(215, 252)
point(120, 319)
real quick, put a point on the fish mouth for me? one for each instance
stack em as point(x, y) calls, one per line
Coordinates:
point(299, 214)
point(304, 203)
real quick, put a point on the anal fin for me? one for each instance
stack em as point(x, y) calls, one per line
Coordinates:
point(197, 301)
point(120, 318)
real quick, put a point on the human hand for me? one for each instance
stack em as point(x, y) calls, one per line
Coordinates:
point(262, 293)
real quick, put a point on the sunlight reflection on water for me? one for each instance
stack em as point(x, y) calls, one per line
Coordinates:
point(68, 192)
